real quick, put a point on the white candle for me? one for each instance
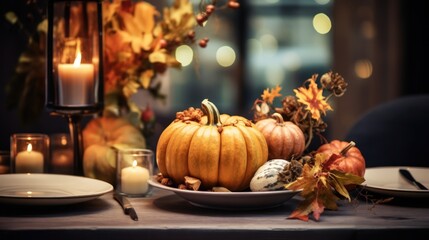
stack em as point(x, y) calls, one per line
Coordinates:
point(134, 179)
point(76, 83)
point(29, 161)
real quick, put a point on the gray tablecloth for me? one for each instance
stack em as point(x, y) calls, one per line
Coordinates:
point(165, 215)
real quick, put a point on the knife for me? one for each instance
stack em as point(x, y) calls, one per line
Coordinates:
point(405, 173)
point(126, 205)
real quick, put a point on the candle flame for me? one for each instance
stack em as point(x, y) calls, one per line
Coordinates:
point(134, 163)
point(29, 147)
point(78, 58)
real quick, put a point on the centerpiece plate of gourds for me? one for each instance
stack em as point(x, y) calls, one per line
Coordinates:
point(221, 161)
point(230, 162)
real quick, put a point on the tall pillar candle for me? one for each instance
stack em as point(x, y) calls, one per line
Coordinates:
point(76, 84)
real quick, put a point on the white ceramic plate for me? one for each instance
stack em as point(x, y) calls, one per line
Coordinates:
point(230, 200)
point(49, 189)
point(388, 181)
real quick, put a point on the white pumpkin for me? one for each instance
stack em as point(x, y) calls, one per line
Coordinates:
point(266, 177)
point(274, 174)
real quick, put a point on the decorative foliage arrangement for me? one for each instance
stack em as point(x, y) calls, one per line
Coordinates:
point(140, 42)
point(322, 181)
point(307, 107)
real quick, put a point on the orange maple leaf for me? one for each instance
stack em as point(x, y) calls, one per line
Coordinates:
point(269, 95)
point(313, 98)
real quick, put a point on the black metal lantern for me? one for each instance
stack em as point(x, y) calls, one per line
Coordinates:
point(74, 85)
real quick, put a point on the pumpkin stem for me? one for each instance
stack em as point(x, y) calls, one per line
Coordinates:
point(213, 115)
point(278, 117)
point(347, 148)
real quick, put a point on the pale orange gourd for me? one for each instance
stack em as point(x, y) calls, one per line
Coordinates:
point(222, 155)
point(285, 139)
point(102, 137)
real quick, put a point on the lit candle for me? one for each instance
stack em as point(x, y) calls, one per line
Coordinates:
point(134, 179)
point(29, 161)
point(62, 155)
point(62, 161)
point(76, 81)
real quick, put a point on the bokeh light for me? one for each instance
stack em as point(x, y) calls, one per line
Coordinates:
point(225, 56)
point(322, 23)
point(363, 68)
point(184, 55)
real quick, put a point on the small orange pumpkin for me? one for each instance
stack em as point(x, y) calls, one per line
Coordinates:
point(351, 160)
point(221, 155)
point(284, 138)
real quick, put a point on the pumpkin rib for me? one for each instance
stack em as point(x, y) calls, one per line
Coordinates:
point(254, 152)
point(177, 153)
point(233, 158)
point(203, 159)
point(262, 144)
point(266, 128)
point(161, 147)
point(287, 141)
point(299, 146)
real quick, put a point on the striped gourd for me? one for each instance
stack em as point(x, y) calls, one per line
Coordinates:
point(274, 174)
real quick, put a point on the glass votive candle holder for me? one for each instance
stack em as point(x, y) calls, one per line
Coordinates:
point(61, 154)
point(29, 152)
point(134, 168)
point(4, 162)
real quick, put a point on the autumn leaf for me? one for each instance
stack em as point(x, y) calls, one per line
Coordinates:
point(269, 95)
point(340, 180)
point(313, 98)
point(319, 185)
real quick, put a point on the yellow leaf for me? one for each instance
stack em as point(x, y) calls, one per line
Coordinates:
point(339, 187)
point(130, 88)
point(180, 9)
point(146, 42)
point(109, 9)
point(43, 26)
point(158, 56)
point(146, 77)
point(144, 15)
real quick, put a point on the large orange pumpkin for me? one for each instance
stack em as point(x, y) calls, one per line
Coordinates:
point(351, 160)
point(284, 138)
point(224, 155)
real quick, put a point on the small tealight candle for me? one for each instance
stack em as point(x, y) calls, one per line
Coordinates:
point(29, 152)
point(134, 169)
point(29, 161)
point(134, 179)
point(61, 154)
